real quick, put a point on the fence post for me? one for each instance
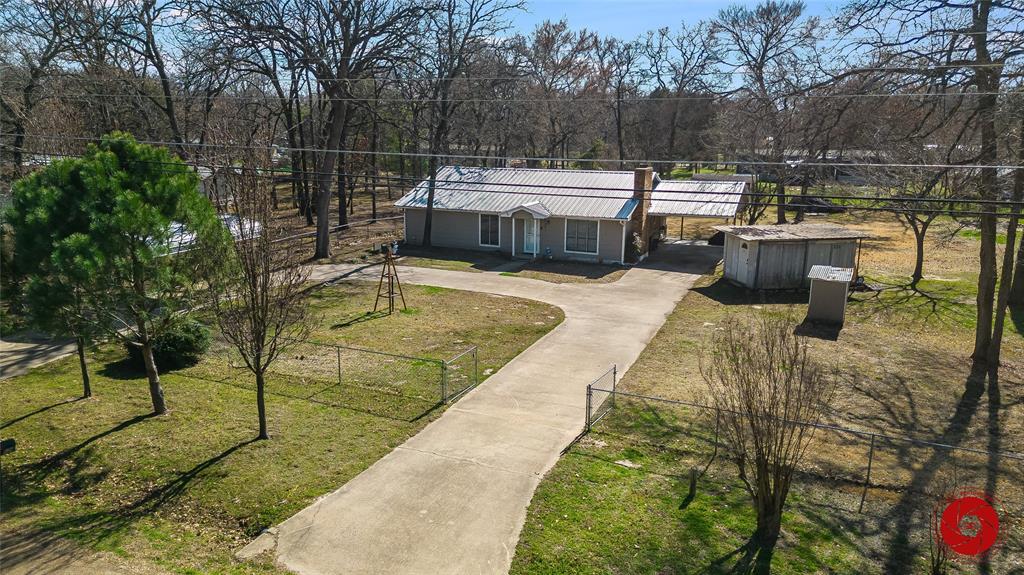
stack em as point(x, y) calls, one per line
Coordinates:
point(444, 382)
point(867, 478)
point(476, 367)
point(338, 349)
point(590, 394)
point(615, 379)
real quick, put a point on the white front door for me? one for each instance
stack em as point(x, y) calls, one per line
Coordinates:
point(530, 236)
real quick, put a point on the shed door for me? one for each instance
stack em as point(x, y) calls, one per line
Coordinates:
point(743, 270)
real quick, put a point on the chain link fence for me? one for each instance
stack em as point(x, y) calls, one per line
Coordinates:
point(885, 486)
point(376, 382)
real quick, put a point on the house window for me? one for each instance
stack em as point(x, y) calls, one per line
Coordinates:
point(581, 236)
point(489, 228)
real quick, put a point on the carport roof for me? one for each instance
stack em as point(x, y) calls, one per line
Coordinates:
point(711, 199)
point(792, 232)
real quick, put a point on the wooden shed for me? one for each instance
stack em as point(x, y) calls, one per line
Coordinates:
point(780, 257)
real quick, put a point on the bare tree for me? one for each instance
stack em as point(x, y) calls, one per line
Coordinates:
point(976, 46)
point(621, 70)
point(260, 305)
point(36, 37)
point(770, 46)
point(682, 63)
point(769, 394)
point(456, 33)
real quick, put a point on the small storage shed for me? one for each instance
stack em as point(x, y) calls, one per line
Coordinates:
point(829, 289)
point(780, 257)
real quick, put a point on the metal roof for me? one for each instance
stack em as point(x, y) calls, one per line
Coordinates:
point(562, 193)
point(792, 232)
point(713, 199)
point(831, 274)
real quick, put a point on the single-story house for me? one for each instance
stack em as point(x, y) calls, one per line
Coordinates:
point(780, 256)
point(587, 215)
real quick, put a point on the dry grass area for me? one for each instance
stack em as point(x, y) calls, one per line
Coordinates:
point(348, 245)
point(693, 228)
point(569, 272)
point(904, 369)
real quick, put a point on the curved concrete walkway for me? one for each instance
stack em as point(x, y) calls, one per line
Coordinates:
point(453, 498)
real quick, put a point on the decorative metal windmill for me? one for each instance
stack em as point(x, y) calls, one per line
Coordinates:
point(389, 285)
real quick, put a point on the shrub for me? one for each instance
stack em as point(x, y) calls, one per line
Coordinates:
point(180, 346)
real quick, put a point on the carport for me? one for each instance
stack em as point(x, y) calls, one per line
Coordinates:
point(710, 202)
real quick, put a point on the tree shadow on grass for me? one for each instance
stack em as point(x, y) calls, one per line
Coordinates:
point(913, 506)
point(98, 525)
point(726, 293)
point(752, 558)
point(925, 305)
point(360, 318)
point(43, 409)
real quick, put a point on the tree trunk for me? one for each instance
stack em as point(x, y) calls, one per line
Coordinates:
point(428, 219)
point(618, 129)
point(780, 201)
point(1017, 291)
point(156, 393)
point(86, 387)
point(920, 230)
point(986, 80)
point(1016, 295)
point(342, 177)
point(334, 128)
point(769, 522)
point(803, 201)
point(1007, 276)
point(261, 407)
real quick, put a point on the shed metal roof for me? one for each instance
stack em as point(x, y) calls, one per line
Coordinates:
point(563, 193)
point(792, 232)
point(713, 199)
point(831, 274)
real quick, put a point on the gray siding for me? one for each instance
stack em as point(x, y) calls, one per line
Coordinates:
point(450, 229)
point(461, 230)
point(783, 265)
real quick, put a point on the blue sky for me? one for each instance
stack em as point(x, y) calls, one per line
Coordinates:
point(630, 18)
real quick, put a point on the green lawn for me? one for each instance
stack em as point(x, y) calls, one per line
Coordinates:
point(614, 504)
point(184, 491)
point(904, 368)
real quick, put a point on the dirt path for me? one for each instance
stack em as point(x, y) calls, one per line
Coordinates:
point(453, 498)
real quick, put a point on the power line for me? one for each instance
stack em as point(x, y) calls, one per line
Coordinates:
point(792, 165)
point(739, 201)
point(273, 173)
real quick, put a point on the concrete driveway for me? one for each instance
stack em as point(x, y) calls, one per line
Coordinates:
point(19, 356)
point(453, 498)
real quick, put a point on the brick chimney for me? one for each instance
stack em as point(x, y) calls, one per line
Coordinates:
point(643, 184)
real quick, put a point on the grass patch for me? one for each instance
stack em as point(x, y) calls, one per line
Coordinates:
point(450, 259)
point(593, 514)
point(184, 491)
point(976, 235)
point(903, 357)
point(569, 272)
